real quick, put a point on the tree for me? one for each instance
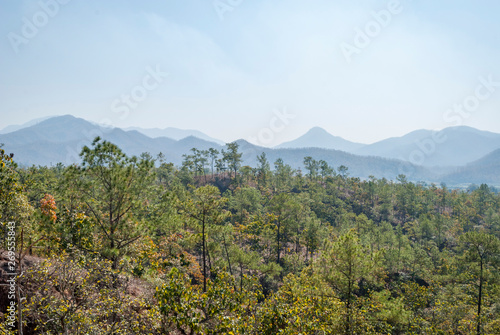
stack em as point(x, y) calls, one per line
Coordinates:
point(245, 201)
point(9, 185)
point(482, 252)
point(205, 206)
point(344, 264)
point(114, 187)
point(312, 234)
point(74, 227)
point(282, 175)
point(197, 161)
point(232, 157)
point(284, 210)
point(483, 198)
point(14, 204)
point(78, 295)
point(220, 165)
point(343, 173)
point(311, 166)
point(244, 259)
point(166, 174)
point(302, 305)
point(326, 170)
point(213, 154)
point(218, 310)
point(263, 170)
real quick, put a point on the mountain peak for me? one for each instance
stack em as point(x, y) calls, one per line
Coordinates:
point(317, 130)
point(318, 137)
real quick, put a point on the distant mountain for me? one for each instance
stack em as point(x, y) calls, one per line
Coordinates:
point(319, 138)
point(175, 133)
point(493, 158)
point(453, 146)
point(485, 170)
point(60, 139)
point(11, 128)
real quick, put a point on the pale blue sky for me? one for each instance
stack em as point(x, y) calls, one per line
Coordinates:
point(227, 77)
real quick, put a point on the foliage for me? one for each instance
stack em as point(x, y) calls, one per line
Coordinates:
point(136, 245)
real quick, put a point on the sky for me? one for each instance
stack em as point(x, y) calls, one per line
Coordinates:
point(261, 70)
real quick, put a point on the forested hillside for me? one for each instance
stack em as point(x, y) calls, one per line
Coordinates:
point(137, 245)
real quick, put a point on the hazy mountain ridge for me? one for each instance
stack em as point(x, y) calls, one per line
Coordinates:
point(493, 158)
point(450, 147)
point(60, 139)
point(14, 127)
point(174, 133)
point(453, 146)
point(484, 170)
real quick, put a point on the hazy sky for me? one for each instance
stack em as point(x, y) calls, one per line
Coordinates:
point(363, 70)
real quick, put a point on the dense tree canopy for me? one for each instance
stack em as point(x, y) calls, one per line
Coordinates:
point(136, 245)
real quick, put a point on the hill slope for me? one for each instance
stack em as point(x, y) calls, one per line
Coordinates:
point(485, 170)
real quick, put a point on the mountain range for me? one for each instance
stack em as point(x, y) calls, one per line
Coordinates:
point(453, 146)
point(450, 147)
point(174, 133)
point(455, 155)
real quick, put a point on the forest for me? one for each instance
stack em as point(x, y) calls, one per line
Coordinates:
point(137, 245)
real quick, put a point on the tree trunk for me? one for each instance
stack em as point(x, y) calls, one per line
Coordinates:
point(227, 255)
point(204, 256)
point(278, 246)
point(209, 260)
point(241, 277)
point(479, 299)
point(348, 305)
